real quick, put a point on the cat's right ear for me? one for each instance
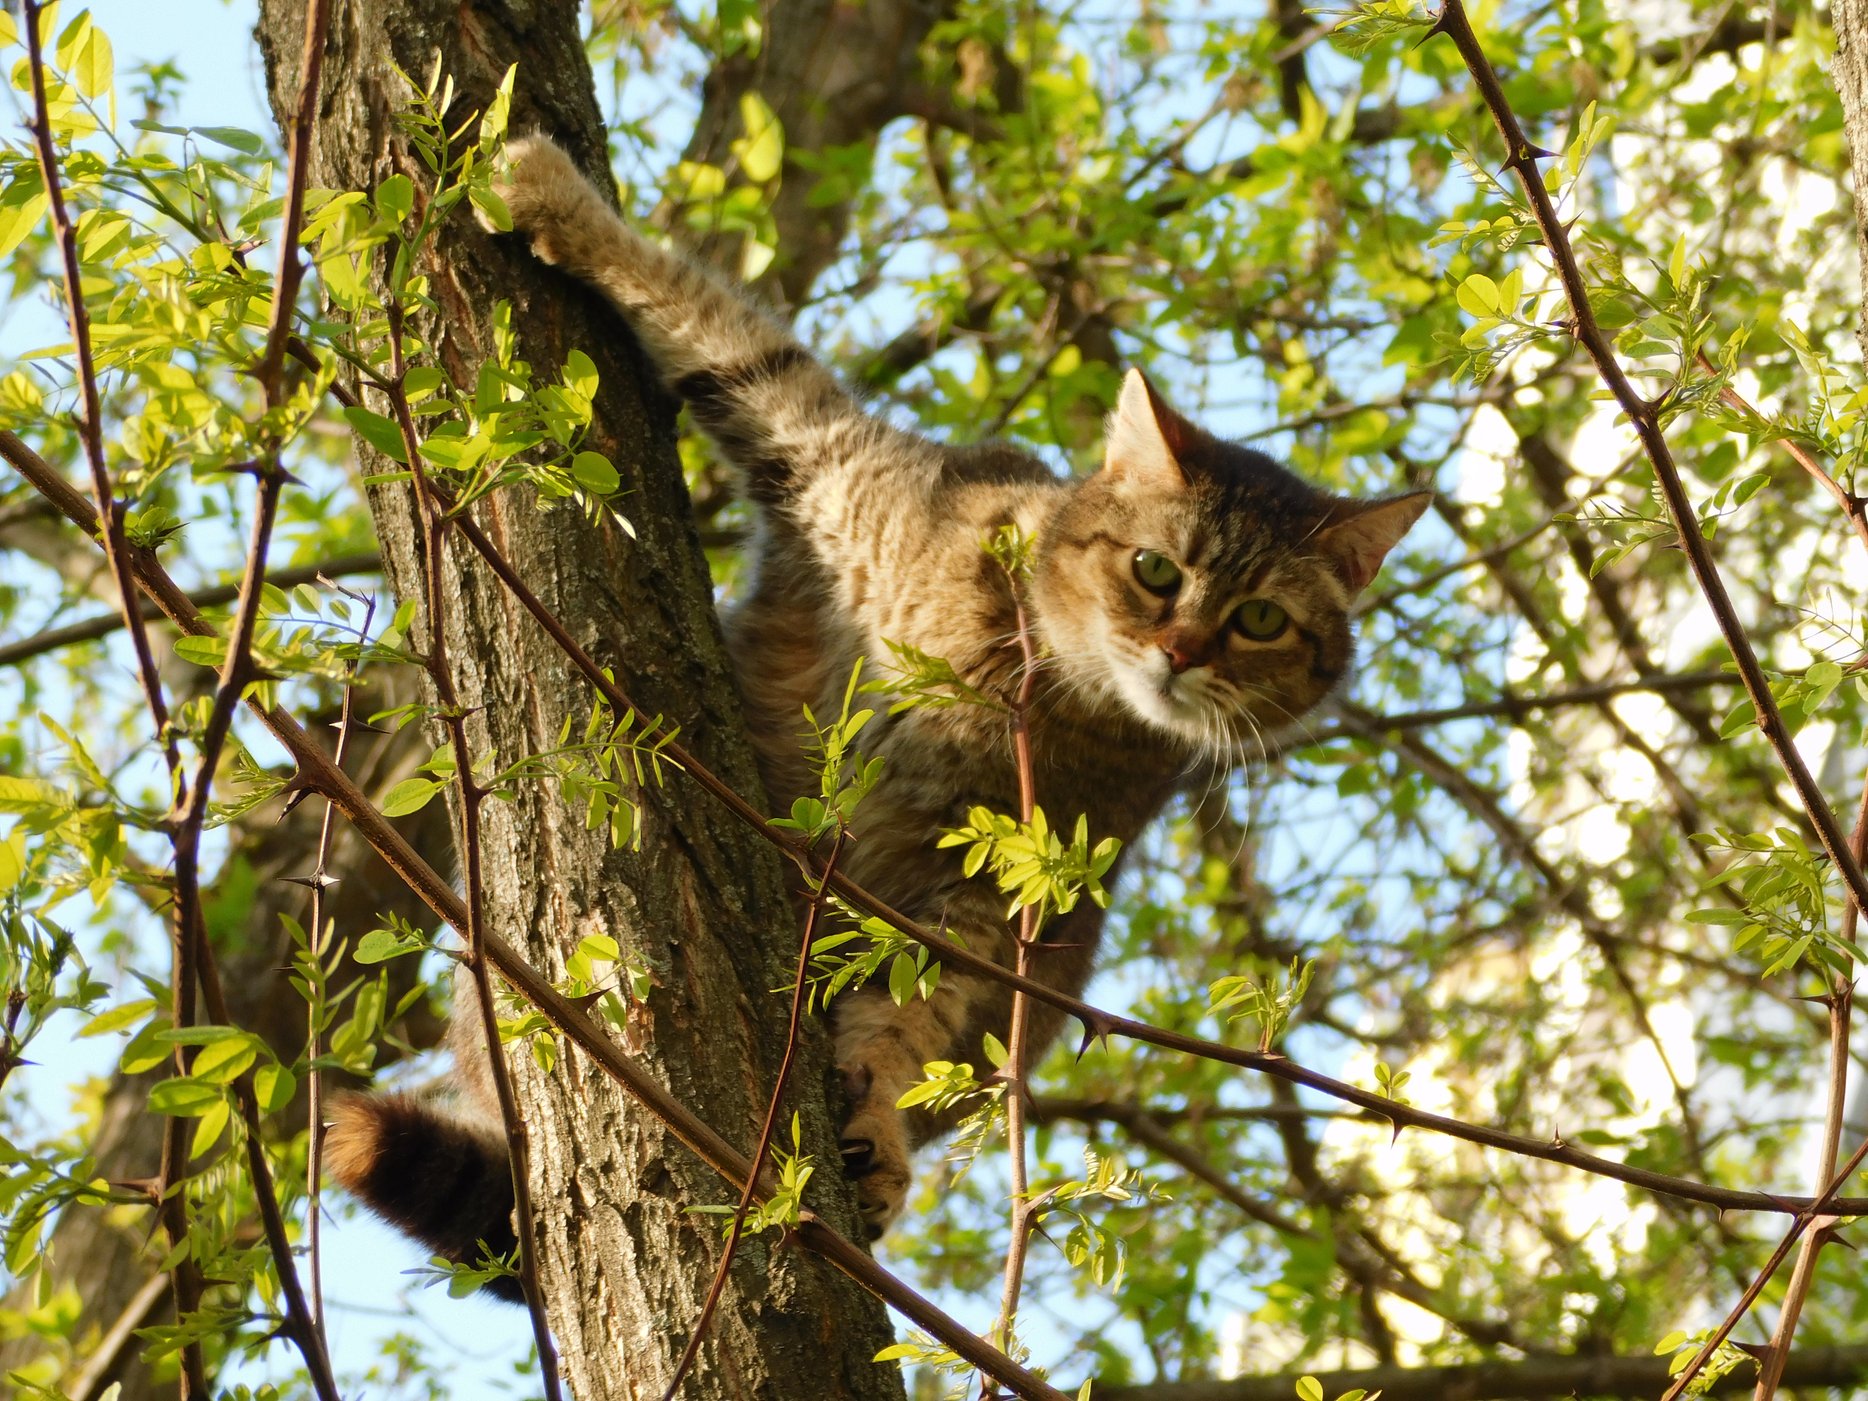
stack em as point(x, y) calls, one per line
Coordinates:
point(1145, 438)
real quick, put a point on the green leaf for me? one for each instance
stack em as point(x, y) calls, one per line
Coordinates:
point(381, 945)
point(1478, 295)
point(379, 432)
point(202, 651)
point(118, 1018)
point(84, 53)
point(395, 198)
point(237, 138)
point(1309, 1389)
point(224, 1061)
point(184, 1098)
point(410, 795)
point(593, 472)
point(761, 150)
point(274, 1085)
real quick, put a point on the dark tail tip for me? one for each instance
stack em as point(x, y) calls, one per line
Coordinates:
point(427, 1175)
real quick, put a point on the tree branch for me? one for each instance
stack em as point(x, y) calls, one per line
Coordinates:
point(1541, 1377)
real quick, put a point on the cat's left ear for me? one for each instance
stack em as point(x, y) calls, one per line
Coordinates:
point(1144, 440)
point(1361, 533)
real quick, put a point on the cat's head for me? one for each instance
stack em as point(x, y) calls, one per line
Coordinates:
point(1198, 585)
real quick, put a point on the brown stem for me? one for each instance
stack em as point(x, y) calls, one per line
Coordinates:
point(1841, 1002)
point(1521, 159)
point(172, 1193)
point(432, 526)
point(1015, 1073)
point(315, 947)
point(764, 1145)
point(316, 772)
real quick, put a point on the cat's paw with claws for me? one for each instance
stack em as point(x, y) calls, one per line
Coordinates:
point(875, 1153)
point(550, 201)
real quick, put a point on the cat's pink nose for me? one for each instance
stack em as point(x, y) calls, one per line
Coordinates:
point(1180, 653)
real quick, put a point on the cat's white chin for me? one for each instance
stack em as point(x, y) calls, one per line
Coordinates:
point(1168, 702)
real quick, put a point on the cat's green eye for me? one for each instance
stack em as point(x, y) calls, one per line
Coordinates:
point(1260, 619)
point(1155, 572)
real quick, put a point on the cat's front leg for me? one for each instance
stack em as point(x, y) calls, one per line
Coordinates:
point(881, 1052)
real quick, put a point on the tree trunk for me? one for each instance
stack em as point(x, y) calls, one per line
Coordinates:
point(1850, 70)
point(702, 904)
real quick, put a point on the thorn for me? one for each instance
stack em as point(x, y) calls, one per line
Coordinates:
point(297, 788)
point(357, 724)
point(150, 1187)
point(1757, 1352)
point(1094, 1029)
point(1394, 1137)
point(317, 880)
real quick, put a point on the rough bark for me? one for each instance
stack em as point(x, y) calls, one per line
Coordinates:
point(703, 905)
point(1850, 71)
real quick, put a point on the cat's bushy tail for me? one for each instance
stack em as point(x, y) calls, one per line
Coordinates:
point(441, 1180)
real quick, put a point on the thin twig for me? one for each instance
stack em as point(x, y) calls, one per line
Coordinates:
point(314, 1032)
point(440, 897)
point(432, 526)
point(90, 629)
point(1853, 507)
point(1015, 1072)
point(1823, 1213)
point(764, 1145)
point(1515, 707)
point(173, 1208)
point(1841, 1001)
point(1521, 159)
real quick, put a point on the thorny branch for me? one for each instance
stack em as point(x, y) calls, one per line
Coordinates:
point(764, 1145)
point(170, 1194)
point(315, 946)
point(1644, 415)
point(1097, 1021)
point(1848, 859)
point(1016, 1071)
point(432, 527)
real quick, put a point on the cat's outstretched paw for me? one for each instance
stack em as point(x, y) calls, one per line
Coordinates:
point(875, 1154)
point(550, 201)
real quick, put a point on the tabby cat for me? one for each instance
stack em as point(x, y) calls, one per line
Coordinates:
point(1188, 596)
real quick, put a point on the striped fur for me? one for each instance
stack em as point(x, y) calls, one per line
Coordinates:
point(443, 1180)
point(872, 536)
